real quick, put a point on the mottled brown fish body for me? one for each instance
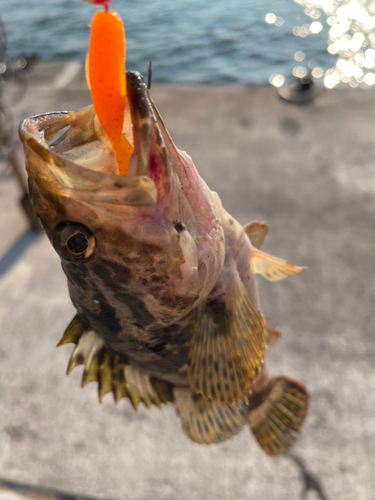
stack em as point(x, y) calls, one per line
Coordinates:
point(162, 277)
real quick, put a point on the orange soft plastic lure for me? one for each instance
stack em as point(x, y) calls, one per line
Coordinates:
point(107, 80)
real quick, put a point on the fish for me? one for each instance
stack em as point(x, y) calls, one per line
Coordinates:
point(162, 277)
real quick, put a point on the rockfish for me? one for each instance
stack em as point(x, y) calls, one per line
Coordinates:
point(161, 276)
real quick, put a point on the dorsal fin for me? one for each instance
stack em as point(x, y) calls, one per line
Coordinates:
point(105, 373)
point(86, 349)
point(207, 422)
point(227, 346)
point(256, 232)
point(74, 331)
point(110, 371)
point(272, 268)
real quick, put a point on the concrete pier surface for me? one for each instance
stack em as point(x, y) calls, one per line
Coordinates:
point(308, 172)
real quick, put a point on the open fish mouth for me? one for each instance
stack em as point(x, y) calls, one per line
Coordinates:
point(70, 154)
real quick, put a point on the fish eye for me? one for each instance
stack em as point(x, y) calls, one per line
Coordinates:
point(73, 241)
point(77, 243)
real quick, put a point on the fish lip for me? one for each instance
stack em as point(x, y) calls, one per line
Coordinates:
point(141, 114)
point(150, 136)
point(138, 93)
point(53, 172)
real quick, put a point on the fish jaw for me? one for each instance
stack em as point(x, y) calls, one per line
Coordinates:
point(159, 226)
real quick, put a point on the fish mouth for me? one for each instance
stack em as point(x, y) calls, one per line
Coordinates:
point(68, 152)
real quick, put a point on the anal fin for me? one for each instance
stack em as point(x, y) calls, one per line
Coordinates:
point(256, 232)
point(272, 268)
point(227, 347)
point(278, 419)
point(271, 334)
point(207, 422)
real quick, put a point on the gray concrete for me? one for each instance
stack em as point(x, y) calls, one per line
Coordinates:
point(309, 172)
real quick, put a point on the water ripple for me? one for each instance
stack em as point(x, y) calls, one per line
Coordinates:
point(187, 40)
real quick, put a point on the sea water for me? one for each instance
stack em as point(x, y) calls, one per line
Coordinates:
point(192, 41)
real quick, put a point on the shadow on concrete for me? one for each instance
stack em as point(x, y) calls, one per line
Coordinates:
point(310, 482)
point(17, 249)
point(28, 491)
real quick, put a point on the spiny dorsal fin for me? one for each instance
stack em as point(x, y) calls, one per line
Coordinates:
point(140, 386)
point(272, 268)
point(91, 371)
point(207, 422)
point(256, 231)
point(74, 330)
point(88, 345)
point(278, 419)
point(118, 380)
point(114, 375)
point(227, 346)
point(271, 335)
point(105, 374)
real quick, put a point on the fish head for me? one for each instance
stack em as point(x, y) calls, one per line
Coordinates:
point(150, 241)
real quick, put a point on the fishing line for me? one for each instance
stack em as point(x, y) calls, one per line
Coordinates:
point(149, 77)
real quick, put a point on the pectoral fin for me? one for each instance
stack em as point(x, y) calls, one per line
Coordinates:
point(207, 422)
point(227, 347)
point(272, 268)
point(256, 231)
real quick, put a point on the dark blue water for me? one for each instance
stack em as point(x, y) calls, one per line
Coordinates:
point(211, 41)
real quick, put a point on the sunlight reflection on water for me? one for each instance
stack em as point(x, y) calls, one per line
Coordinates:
point(351, 37)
